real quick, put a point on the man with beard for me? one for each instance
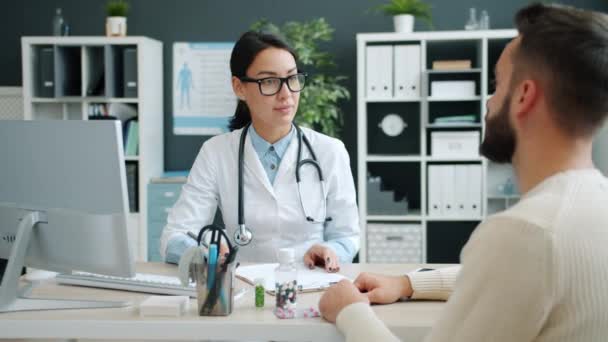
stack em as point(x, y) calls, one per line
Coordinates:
point(539, 270)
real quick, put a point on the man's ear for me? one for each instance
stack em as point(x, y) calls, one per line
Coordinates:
point(238, 88)
point(525, 97)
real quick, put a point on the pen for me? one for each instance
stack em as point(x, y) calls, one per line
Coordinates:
point(192, 235)
point(211, 266)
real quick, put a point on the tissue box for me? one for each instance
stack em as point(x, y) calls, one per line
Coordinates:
point(452, 89)
point(455, 144)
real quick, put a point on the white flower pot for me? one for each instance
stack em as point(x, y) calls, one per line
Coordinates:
point(404, 23)
point(116, 26)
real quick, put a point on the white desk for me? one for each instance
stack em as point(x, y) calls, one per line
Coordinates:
point(409, 320)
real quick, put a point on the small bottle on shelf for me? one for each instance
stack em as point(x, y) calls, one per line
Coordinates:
point(472, 23)
point(484, 20)
point(58, 23)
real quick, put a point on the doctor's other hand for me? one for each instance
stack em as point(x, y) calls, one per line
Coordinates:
point(382, 289)
point(338, 297)
point(319, 255)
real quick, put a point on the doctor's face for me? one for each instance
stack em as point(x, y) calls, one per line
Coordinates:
point(276, 110)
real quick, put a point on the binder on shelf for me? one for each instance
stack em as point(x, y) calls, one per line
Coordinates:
point(434, 179)
point(447, 190)
point(474, 185)
point(379, 72)
point(130, 72)
point(46, 72)
point(461, 193)
point(131, 169)
point(132, 138)
point(407, 71)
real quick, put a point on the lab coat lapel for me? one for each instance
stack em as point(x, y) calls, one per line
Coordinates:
point(254, 165)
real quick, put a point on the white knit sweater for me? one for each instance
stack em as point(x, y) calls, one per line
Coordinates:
point(536, 272)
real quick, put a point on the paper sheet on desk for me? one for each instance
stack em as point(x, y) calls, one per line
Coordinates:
point(310, 280)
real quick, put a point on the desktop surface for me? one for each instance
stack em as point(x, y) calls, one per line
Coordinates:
point(408, 320)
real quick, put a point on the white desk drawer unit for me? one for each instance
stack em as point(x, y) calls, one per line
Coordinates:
point(394, 243)
point(161, 198)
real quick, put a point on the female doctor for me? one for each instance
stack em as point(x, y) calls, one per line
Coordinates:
point(317, 217)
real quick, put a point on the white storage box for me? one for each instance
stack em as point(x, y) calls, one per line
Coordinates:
point(452, 89)
point(394, 243)
point(455, 144)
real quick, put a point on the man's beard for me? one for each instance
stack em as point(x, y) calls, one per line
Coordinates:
point(499, 142)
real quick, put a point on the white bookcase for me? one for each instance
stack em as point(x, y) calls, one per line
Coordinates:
point(399, 83)
point(90, 73)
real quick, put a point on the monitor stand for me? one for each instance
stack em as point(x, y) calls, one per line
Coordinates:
point(12, 298)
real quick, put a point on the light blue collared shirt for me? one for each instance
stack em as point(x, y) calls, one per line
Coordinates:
point(270, 154)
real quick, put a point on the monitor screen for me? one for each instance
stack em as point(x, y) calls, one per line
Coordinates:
point(72, 175)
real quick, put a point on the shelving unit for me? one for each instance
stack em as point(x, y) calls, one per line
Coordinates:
point(70, 78)
point(401, 161)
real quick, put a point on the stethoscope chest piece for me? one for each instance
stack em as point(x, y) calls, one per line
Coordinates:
point(243, 235)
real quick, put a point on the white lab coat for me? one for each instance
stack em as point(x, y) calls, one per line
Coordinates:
point(272, 212)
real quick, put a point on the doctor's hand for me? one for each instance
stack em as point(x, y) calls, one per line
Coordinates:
point(319, 255)
point(338, 297)
point(381, 289)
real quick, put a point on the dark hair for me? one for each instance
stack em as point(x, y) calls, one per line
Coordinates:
point(245, 50)
point(569, 48)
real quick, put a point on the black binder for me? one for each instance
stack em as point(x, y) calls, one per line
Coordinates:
point(130, 72)
point(46, 72)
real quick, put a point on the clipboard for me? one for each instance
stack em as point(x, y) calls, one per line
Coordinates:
point(309, 280)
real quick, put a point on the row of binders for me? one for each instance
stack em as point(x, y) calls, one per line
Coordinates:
point(455, 191)
point(393, 71)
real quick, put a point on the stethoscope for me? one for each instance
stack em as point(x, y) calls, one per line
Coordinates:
point(243, 235)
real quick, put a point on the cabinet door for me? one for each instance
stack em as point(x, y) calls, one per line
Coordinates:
point(445, 240)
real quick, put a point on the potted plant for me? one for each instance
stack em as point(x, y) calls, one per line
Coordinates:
point(116, 22)
point(318, 108)
point(404, 12)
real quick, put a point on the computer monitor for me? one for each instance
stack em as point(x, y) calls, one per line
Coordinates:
point(63, 204)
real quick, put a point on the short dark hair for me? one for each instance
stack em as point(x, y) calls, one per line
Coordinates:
point(569, 47)
point(243, 54)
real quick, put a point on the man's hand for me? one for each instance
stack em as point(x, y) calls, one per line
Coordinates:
point(322, 256)
point(381, 289)
point(338, 297)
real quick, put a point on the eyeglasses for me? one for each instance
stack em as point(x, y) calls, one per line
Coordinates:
point(272, 85)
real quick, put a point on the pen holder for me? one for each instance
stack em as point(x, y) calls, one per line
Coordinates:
point(212, 270)
point(214, 288)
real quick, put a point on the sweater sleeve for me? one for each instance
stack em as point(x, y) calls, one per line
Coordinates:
point(504, 289)
point(434, 285)
point(359, 323)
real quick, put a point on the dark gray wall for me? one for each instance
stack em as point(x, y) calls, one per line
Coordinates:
point(224, 20)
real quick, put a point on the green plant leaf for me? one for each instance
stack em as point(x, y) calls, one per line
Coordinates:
point(117, 8)
point(417, 8)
